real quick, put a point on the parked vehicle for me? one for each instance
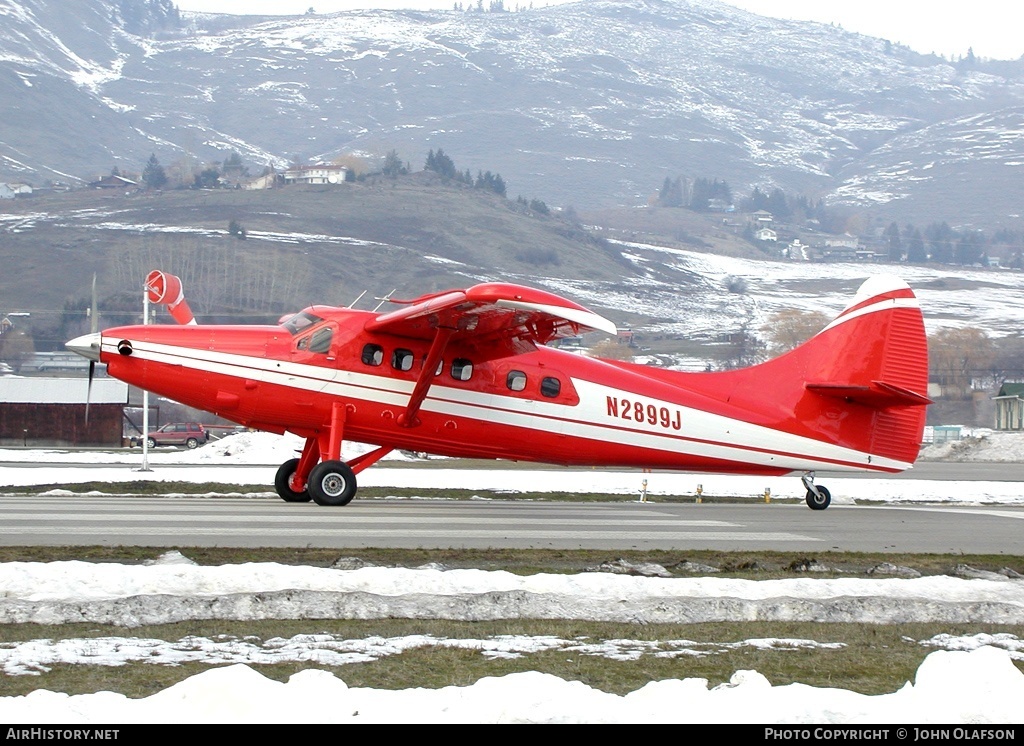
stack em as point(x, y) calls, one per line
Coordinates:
point(188, 434)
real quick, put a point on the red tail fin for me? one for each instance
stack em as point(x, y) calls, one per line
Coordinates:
point(879, 362)
point(860, 383)
point(865, 375)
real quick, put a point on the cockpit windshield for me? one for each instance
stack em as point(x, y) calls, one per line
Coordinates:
point(300, 322)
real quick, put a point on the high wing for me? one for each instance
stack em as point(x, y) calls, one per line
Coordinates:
point(495, 318)
point(496, 315)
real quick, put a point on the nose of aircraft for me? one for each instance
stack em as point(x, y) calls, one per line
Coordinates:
point(88, 346)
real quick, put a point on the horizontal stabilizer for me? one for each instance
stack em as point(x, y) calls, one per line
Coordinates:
point(878, 395)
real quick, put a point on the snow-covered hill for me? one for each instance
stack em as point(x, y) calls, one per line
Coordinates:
point(585, 104)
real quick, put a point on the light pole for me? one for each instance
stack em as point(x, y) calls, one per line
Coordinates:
point(145, 393)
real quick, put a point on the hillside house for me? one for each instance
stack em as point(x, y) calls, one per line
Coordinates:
point(766, 234)
point(10, 191)
point(1010, 407)
point(845, 241)
point(796, 250)
point(113, 181)
point(321, 173)
point(267, 181)
point(845, 248)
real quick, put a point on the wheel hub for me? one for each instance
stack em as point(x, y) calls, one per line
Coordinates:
point(333, 484)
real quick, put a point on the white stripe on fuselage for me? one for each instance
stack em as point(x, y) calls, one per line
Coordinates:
point(702, 434)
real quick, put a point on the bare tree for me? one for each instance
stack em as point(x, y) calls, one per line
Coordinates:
point(16, 346)
point(1009, 359)
point(957, 357)
point(792, 327)
point(220, 275)
point(611, 349)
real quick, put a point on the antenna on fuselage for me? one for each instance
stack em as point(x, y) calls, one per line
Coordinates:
point(384, 300)
point(350, 305)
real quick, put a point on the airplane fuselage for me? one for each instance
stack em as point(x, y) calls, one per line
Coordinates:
point(545, 405)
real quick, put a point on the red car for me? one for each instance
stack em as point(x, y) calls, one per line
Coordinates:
point(188, 434)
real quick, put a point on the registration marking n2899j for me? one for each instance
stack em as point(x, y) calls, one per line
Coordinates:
point(638, 411)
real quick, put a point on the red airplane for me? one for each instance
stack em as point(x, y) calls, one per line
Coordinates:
point(468, 373)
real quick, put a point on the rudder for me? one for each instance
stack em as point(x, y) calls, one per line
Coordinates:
point(875, 355)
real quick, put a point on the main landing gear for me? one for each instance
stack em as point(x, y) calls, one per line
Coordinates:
point(818, 497)
point(329, 482)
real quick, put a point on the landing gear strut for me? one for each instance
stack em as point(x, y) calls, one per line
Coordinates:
point(328, 482)
point(818, 497)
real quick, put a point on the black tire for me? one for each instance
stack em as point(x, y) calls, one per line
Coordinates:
point(820, 500)
point(284, 474)
point(150, 443)
point(332, 483)
point(191, 443)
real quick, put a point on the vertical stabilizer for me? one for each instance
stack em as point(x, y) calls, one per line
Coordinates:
point(859, 383)
point(873, 358)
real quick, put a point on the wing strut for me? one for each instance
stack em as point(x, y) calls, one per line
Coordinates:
point(408, 418)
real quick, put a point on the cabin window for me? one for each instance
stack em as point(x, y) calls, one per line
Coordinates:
point(300, 322)
point(402, 359)
point(516, 380)
point(372, 354)
point(550, 387)
point(320, 341)
point(462, 369)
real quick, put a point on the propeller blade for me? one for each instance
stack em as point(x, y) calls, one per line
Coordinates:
point(88, 346)
point(88, 392)
point(94, 311)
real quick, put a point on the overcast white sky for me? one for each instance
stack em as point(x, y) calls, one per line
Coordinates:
point(992, 28)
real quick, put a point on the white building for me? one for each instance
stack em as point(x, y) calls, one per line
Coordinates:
point(10, 191)
point(321, 173)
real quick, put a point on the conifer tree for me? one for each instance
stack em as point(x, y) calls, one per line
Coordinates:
point(916, 253)
point(392, 164)
point(894, 243)
point(440, 163)
point(153, 175)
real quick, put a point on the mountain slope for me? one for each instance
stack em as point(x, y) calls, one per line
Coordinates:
point(591, 104)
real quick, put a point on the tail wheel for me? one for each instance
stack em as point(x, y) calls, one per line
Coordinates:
point(332, 483)
point(819, 498)
point(282, 483)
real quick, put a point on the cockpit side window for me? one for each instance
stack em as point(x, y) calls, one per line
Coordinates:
point(320, 341)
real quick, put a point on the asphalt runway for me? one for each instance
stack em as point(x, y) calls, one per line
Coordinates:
point(59, 520)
